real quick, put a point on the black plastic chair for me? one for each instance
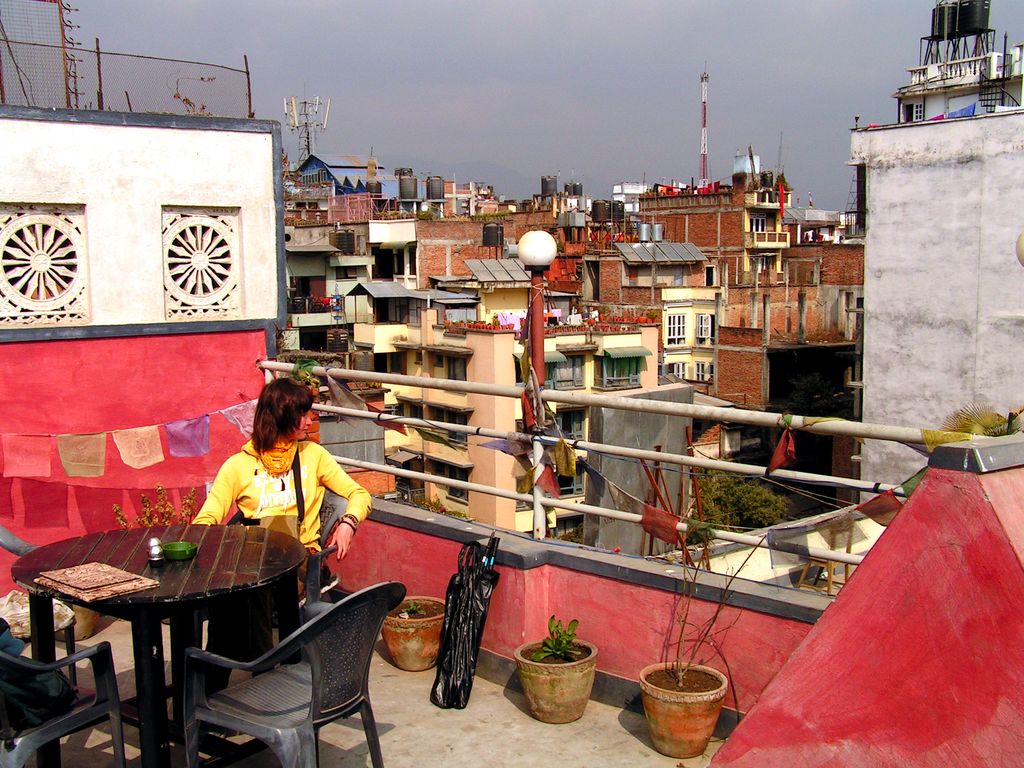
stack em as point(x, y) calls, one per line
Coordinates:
point(18, 546)
point(285, 705)
point(17, 747)
point(313, 603)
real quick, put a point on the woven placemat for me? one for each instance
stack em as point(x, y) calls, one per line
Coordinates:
point(94, 581)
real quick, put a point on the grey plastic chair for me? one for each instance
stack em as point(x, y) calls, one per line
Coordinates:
point(285, 705)
point(16, 747)
point(18, 546)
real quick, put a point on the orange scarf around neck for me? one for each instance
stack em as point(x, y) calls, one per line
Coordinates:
point(278, 459)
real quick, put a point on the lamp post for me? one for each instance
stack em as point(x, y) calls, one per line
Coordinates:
point(537, 250)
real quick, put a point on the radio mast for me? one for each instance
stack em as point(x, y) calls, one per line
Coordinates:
point(703, 181)
point(304, 119)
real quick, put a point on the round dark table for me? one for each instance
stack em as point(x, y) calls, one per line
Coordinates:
point(230, 559)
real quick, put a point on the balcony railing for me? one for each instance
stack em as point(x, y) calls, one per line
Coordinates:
point(770, 240)
point(300, 305)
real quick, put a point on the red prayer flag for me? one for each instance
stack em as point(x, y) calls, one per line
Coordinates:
point(782, 201)
point(881, 508)
point(785, 453)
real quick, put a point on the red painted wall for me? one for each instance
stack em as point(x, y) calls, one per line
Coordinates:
point(100, 385)
point(628, 622)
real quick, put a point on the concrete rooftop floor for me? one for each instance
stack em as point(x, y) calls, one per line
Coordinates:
point(495, 730)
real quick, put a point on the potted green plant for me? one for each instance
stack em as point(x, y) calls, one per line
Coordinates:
point(557, 673)
point(412, 633)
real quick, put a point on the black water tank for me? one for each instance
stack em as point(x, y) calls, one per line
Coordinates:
point(373, 187)
point(407, 187)
point(435, 188)
point(973, 17)
point(577, 188)
point(494, 235)
point(548, 185)
point(618, 210)
point(568, 188)
point(599, 211)
point(347, 242)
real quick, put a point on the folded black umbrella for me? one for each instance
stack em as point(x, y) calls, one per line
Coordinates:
point(465, 611)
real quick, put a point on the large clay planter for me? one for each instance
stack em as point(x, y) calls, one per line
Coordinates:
point(556, 693)
point(413, 642)
point(681, 722)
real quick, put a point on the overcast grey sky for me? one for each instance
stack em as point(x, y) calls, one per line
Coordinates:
point(593, 90)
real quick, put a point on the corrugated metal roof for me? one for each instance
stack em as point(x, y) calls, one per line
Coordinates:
point(343, 161)
point(326, 248)
point(437, 296)
point(617, 352)
point(550, 356)
point(386, 290)
point(497, 270)
point(661, 253)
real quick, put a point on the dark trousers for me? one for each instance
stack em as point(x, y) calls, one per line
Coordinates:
point(239, 628)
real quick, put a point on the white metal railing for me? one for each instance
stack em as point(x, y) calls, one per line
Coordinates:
point(735, 415)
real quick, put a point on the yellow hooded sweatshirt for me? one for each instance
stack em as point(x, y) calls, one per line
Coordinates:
point(244, 480)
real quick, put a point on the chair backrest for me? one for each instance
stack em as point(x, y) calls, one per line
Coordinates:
point(14, 544)
point(340, 652)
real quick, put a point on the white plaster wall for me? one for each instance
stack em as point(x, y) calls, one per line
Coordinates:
point(123, 175)
point(944, 293)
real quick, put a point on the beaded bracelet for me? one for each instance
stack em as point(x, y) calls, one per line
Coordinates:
point(351, 521)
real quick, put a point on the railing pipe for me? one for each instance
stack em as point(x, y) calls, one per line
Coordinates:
point(737, 538)
point(706, 412)
point(752, 470)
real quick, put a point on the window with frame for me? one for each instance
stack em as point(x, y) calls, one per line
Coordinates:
point(450, 471)
point(570, 423)
point(705, 327)
point(412, 410)
point(571, 486)
point(710, 278)
point(758, 222)
point(677, 369)
point(705, 371)
point(619, 372)
point(676, 331)
point(450, 416)
point(450, 367)
point(568, 374)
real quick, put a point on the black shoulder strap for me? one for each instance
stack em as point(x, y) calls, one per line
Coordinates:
point(300, 503)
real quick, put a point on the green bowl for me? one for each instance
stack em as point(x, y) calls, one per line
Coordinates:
point(180, 550)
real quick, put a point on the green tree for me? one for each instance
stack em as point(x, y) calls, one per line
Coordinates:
point(740, 502)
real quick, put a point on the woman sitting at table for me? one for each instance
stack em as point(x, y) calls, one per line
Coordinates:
point(260, 481)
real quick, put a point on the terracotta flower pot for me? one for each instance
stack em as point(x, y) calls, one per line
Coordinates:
point(681, 722)
point(556, 692)
point(413, 641)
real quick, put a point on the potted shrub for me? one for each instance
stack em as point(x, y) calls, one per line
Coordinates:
point(412, 633)
point(683, 698)
point(557, 674)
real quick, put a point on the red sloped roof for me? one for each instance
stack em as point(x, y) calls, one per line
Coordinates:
point(920, 661)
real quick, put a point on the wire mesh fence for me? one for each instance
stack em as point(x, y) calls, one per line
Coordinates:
point(57, 76)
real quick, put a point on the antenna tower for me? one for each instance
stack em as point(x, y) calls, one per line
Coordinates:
point(304, 119)
point(703, 181)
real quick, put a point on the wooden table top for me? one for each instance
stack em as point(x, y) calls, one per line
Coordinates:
point(229, 558)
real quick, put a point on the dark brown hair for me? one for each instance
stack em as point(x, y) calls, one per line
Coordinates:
point(279, 411)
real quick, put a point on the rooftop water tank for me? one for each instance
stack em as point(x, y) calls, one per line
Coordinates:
point(435, 188)
point(373, 187)
point(494, 235)
point(407, 187)
point(577, 188)
point(644, 231)
point(599, 211)
point(657, 232)
point(548, 185)
point(618, 210)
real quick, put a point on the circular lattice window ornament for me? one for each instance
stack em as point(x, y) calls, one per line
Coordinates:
point(40, 264)
point(200, 263)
